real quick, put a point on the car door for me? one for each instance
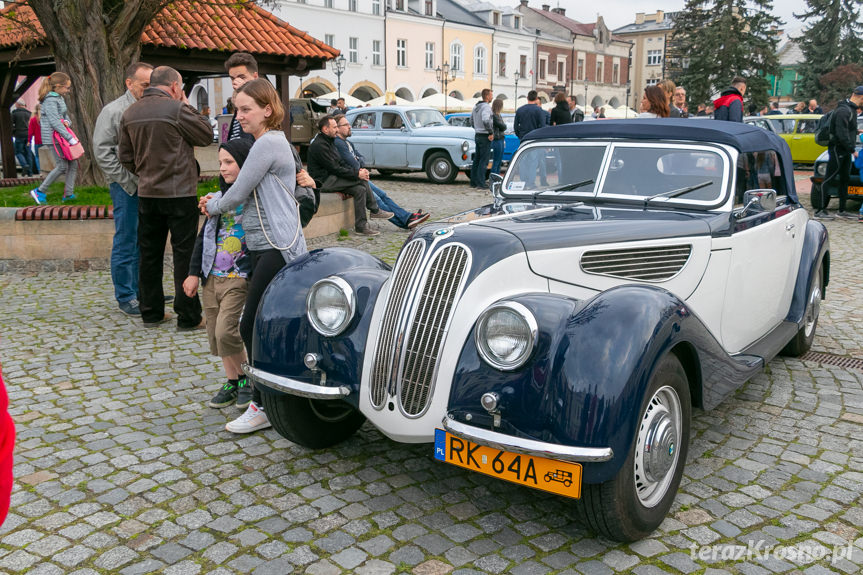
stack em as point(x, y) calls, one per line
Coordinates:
point(365, 130)
point(391, 144)
point(765, 253)
point(804, 149)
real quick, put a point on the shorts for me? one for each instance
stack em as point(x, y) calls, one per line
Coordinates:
point(223, 300)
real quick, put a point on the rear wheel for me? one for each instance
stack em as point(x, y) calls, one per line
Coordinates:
point(806, 335)
point(440, 169)
point(312, 423)
point(636, 501)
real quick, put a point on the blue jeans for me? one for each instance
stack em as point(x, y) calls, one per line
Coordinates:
point(480, 161)
point(496, 156)
point(124, 253)
point(386, 203)
point(24, 156)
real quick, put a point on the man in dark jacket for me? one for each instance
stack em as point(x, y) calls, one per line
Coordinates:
point(20, 123)
point(842, 150)
point(527, 119)
point(332, 174)
point(729, 105)
point(157, 138)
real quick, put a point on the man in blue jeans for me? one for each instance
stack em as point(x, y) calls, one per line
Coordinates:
point(123, 186)
point(401, 217)
point(481, 119)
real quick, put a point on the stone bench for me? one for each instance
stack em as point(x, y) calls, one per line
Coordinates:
point(78, 238)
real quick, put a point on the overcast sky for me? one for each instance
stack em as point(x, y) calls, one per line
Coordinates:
point(617, 13)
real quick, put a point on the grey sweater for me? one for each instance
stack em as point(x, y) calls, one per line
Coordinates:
point(106, 138)
point(269, 161)
point(53, 113)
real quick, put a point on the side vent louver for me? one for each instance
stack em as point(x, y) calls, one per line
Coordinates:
point(653, 264)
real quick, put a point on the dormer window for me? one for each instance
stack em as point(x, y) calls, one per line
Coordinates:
point(429, 8)
point(495, 18)
point(516, 22)
point(400, 5)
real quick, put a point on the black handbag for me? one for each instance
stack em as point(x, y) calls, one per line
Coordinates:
point(308, 199)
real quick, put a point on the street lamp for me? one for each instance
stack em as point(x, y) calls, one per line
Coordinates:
point(444, 75)
point(339, 69)
point(517, 76)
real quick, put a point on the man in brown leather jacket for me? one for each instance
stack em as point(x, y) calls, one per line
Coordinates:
point(157, 138)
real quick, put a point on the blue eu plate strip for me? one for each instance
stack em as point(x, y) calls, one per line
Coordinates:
point(440, 444)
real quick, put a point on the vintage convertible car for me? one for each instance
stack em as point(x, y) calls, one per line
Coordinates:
point(411, 139)
point(560, 337)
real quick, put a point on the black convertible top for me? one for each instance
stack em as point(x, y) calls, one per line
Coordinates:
point(744, 137)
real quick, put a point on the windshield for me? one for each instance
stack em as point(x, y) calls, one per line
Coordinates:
point(420, 118)
point(638, 171)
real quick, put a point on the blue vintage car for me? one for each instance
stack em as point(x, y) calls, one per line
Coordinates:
point(560, 337)
point(411, 139)
point(510, 139)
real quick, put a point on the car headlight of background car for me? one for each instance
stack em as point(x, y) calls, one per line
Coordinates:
point(821, 169)
point(505, 335)
point(330, 306)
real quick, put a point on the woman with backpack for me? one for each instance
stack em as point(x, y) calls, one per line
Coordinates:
point(55, 119)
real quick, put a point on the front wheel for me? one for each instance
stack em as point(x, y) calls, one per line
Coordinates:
point(312, 423)
point(635, 502)
point(806, 335)
point(440, 169)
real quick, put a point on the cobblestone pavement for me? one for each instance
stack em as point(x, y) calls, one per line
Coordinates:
point(121, 467)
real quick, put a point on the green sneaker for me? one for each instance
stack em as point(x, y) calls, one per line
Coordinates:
point(226, 396)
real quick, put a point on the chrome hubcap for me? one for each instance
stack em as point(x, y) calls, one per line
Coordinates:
point(656, 452)
point(441, 168)
point(813, 309)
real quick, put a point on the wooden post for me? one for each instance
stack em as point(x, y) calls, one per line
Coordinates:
point(8, 77)
point(283, 88)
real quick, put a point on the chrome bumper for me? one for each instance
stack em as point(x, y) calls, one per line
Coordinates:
point(294, 387)
point(527, 446)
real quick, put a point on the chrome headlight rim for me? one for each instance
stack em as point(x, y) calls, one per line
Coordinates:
point(821, 169)
point(480, 340)
point(465, 146)
point(350, 297)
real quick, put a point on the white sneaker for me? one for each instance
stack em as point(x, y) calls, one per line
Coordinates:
point(253, 419)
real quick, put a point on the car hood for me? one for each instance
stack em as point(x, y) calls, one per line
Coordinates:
point(445, 132)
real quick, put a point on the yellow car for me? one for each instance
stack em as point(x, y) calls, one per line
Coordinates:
point(798, 130)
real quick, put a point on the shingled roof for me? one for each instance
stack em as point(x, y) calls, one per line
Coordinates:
point(228, 26)
point(566, 22)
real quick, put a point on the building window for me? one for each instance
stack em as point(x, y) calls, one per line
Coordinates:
point(479, 61)
point(401, 53)
point(376, 7)
point(652, 81)
point(495, 18)
point(455, 57)
point(352, 5)
point(328, 3)
point(654, 57)
point(522, 66)
point(353, 50)
point(329, 39)
point(501, 64)
point(542, 68)
point(599, 71)
point(560, 71)
point(376, 52)
point(301, 1)
point(516, 22)
point(615, 73)
point(400, 5)
point(429, 55)
point(429, 8)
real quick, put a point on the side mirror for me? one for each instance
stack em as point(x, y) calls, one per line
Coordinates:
point(496, 184)
point(759, 200)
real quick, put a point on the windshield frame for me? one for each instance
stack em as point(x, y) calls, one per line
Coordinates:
point(597, 193)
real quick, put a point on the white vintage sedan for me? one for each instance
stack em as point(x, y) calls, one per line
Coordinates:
point(560, 337)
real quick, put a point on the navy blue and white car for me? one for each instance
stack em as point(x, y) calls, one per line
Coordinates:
point(411, 139)
point(560, 337)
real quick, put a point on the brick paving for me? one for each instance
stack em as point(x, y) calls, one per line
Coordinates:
point(121, 467)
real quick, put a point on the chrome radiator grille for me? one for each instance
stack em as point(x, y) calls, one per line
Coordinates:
point(405, 273)
point(415, 322)
point(647, 264)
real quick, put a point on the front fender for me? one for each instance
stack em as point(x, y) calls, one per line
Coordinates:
point(283, 335)
point(816, 249)
point(586, 380)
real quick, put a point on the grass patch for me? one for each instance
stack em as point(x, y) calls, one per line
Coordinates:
point(19, 196)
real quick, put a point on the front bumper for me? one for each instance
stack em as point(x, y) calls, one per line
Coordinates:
point(294, 387)
point(527, 446)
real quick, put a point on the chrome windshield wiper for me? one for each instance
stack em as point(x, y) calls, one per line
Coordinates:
point(563, 188)
point(677, 192)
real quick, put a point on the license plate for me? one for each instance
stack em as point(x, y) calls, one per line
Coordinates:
point(559, 477)
point(855, 191)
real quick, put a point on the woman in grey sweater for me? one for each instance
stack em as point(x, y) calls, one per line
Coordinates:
point(55, 118)
point(271, 217)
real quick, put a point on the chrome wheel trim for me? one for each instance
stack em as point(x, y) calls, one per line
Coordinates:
point(812, 309)
point(441, 168)
point(329, 411)
point(657, 450)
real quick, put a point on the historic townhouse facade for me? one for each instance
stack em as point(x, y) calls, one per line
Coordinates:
point(650, 35)
point(595, 67)
point(414, 41)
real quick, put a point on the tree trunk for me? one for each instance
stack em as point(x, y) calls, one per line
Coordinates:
point(93, 42)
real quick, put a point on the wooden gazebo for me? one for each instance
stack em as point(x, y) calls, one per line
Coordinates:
point(194, 38)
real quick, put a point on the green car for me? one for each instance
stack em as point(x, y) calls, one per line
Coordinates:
point(798, 130)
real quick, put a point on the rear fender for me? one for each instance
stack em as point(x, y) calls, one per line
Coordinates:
point(816, 249)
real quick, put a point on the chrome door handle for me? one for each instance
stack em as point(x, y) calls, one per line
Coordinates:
point(789, 227)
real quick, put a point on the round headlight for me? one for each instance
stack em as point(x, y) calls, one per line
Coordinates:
point(465, 146)
point(505, 335)
point(330, 306)
point(821, 169)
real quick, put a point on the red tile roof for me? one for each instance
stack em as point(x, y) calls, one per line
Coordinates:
point(234, 25)
point(566, 22)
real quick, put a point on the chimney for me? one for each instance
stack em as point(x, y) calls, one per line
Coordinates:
point(545, 7)
point(559, 10)
point(639, 17)
point(524, 3)
point(660, 16)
